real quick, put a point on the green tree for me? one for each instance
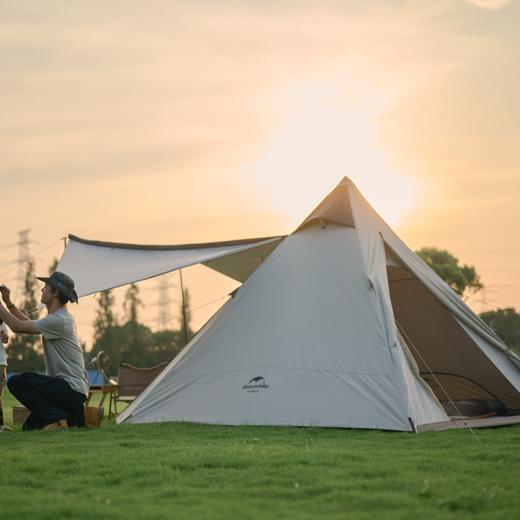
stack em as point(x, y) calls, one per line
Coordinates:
point(105, 316)
point(458, 277)
point(129, 342)
point(506, 323)
point(166, 344)
point(24, 351)
point(132, 303)
point(185, 332)
point(137, 340)
point(133, 342)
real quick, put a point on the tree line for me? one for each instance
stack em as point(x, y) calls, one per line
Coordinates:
point(131, 341)
point(126, 339)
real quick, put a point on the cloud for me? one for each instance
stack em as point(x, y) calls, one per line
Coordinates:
point(490, 4)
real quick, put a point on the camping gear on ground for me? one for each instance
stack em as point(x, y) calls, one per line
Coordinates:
point(474, 408)
point(100, 361)
point(339, 324)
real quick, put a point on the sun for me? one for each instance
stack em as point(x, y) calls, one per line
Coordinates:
point(317, 141)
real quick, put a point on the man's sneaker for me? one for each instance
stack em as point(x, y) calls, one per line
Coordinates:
point(58, 425)
point(5, 428)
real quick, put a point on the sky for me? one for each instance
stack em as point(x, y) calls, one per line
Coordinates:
point(171, 122)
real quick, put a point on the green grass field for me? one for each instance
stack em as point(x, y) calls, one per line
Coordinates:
point(195, 471)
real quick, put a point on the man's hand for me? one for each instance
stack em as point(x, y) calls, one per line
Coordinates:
point(4, 336)
point(6, 294)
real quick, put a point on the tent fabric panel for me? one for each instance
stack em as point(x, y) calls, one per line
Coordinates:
point(441, 290)
point(373, 250)
point(499, 359)
point(424, 407)
point(284, 397)
point(97, 268)
point(440, 345)
point(365, 217)
point(241, 265)
point(291, 317)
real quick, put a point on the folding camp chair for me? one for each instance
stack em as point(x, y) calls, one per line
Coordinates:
point(131, 381)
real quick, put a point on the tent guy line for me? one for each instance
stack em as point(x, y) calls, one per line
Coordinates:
point(418, 353)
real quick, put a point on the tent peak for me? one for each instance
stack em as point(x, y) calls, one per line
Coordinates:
point(334, 208)
point(345, 181)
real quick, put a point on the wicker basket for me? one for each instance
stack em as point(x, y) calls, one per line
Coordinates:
point(20, 414)
point(94, 416)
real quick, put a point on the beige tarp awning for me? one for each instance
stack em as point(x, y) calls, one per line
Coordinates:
point(97, 266)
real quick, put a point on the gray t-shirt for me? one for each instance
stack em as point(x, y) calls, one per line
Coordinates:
point(61, 350)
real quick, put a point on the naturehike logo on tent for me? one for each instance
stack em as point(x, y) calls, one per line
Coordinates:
point(255, 384)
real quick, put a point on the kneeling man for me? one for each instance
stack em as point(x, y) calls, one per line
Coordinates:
point(56, 399)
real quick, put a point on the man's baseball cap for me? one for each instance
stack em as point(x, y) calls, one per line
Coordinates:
point(64, 283)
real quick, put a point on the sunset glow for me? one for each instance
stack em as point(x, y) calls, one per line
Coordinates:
point(321, 138)
point(177, 122)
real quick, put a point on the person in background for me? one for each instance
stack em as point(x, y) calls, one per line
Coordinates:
point(4, 338)
point(55, 400)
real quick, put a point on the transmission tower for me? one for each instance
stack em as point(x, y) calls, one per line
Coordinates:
point(164, 316)
point(24, 257)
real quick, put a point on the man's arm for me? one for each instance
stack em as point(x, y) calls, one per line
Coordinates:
point(6, 296)
point(16, 324)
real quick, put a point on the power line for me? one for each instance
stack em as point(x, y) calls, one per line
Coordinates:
point(35, 254)
point(203, 305)
point(483, 302)
point(24, 259)
point(495, 252)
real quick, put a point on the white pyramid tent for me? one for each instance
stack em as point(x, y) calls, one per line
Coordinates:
point(338, 324)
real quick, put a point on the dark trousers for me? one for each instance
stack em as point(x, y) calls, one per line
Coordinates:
point(49, 399)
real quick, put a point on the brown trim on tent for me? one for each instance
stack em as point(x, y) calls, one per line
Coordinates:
point(204, 245)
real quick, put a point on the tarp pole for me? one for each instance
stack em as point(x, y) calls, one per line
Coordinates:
point(183, 310)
